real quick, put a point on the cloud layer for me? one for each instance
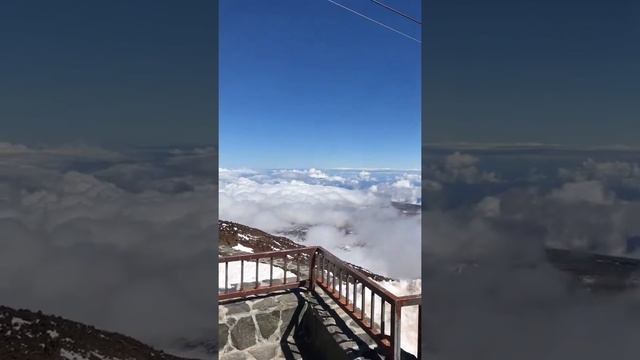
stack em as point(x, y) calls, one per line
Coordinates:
point(346, 211)
point(489, 291)
point(123, 241)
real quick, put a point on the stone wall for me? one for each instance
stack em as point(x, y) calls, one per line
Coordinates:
point(254, 328)
point(297, 324)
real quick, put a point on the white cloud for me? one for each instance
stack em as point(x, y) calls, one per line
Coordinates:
point(583, 191)
point(12, 149)
point(459, 168)
point(77, 244)
point(319, 174)
point(364, 175)
point(458, 160)
point(402, 184)
point(356, 222)
point(486, 265)
point(489, 206)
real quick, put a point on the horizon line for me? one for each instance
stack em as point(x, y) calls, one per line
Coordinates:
point(322, 168)
point(489, 145)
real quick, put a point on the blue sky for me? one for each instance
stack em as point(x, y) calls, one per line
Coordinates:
point(308, 84)
point(565, 72)
point(108, 72)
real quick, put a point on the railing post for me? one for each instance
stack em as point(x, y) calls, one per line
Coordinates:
point(382, 317)
point(271, 271)
point(363, 314)
point(241, 274)
point(312, 271)
point(396, 325)
point(226, 276)
point(419, 332)
point(284, 281)
point(257, 266)
point(298, 267)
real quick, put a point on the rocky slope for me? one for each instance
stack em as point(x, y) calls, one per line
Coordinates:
point(237, 238)
point(32, 335)
point(231, 234)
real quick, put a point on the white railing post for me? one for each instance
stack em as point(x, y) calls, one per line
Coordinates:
point(396, 325)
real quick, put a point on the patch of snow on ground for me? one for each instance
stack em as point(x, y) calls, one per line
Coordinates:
point(70, 355)
point(102, 357)
point(53, 334)
point(17, 322)
point(245, 236)
point(241, 247)
point(249, 273)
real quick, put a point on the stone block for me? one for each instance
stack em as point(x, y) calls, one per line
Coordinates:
point(264, 352)
point(268, 323)
point(237, 308)
point(223, 335)
point(236, 355)
point(265, 304)
point(243, 334)
point(287, 300)
point(286, 316)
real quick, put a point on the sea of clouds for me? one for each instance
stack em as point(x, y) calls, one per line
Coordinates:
point(347, 211)
point(489, 214)
point(122, 240)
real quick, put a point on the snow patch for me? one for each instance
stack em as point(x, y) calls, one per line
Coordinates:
point(18, 322)
point(241, 247)
point(70, 355)
point(249, 273)
point(245, 236)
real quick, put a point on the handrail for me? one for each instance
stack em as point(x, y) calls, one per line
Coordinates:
point(266, 254)
point(259, 286)
point(359, 275)
point(323, 269)
point(331, 266)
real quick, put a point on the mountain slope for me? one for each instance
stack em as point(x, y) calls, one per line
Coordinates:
point(238, 238)
point(33, 335)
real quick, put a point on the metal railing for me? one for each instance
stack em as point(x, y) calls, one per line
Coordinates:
point(283, 259)
point(358, 295)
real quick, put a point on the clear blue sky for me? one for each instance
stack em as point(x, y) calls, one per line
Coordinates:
point(123, 72)
point(565, 72)
point(304, 83)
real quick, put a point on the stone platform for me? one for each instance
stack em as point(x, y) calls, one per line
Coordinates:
point(295, 324)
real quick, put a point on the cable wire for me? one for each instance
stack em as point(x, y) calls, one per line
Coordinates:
point(375, 21)
point(397, 12)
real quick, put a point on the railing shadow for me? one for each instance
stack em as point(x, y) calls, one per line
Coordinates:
point(341, 334)
point(290, 350)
